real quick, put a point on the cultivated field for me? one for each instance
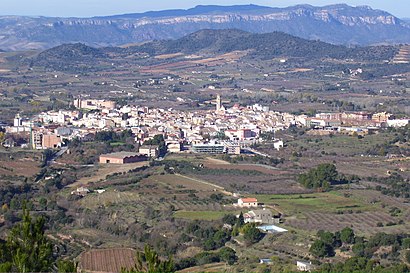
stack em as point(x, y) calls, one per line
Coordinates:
point(362, 223)
point(366, 211)
point(107, 260)
point(330, 202)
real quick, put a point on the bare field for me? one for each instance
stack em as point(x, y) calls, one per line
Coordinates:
point(247, 167)
point(190, 64)
point(108, 198)
point(168, 56)
point(267, 184)
point(178, 181)
point(102, 170)
point(209, 161)
point(215, 267)
point(23, 167)
point(361, 166)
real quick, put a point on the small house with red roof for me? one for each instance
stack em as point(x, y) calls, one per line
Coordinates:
point(247, 202)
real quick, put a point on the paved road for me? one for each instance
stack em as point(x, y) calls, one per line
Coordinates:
point(57, 155)
point(257, 152)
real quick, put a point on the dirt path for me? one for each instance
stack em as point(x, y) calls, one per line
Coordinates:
point(217, 161)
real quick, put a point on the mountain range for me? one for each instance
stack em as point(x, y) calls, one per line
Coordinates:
point(264, 46)
point(336, 24)
point(260, 45)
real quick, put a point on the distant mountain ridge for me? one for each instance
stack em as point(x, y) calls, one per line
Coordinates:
point(79, 57)
point(261, 45)
point(337, 24)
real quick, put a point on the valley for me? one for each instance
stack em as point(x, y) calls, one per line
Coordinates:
point(183, 144)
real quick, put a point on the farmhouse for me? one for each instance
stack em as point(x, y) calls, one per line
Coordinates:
point(81, 191)
point(304, 266)
point(247, 202)
point(259, 216)
point(122, 158)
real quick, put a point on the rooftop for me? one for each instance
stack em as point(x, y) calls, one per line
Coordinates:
point(121, 155)
point(149, 147)
point(249, 200)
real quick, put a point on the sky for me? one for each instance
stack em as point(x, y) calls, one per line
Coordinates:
point(89, 8)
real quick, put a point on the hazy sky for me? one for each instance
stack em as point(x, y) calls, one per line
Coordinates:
point(85, 8)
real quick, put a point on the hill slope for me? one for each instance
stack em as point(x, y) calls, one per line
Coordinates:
point(265, 46)
point(79, 57)
point(338, 24)
point(69, 56)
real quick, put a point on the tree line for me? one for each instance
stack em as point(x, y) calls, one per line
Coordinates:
point(364, 251)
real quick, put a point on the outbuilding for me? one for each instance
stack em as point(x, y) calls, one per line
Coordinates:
point(122, 158)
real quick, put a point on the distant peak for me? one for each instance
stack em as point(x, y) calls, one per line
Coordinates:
point(213, 8)
point(365, 7)
point(221, 6)
point(338, 6)
point(303, 6)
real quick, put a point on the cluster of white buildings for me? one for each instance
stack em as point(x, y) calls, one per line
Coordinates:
point(235, 127)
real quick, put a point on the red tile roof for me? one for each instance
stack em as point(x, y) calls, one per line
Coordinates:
point(249, 200)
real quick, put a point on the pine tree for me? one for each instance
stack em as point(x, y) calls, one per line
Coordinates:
point(240, 221)
point(66, 266)
point(149, 262)
point(29, 248)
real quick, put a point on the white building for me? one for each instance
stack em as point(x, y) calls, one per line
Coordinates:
point(304, 266)
point(151, 151)
point(278, 144)
point(18, 121)
point(247, 202)
point(398, 122)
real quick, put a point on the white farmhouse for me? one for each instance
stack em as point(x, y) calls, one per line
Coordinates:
point(247, 202)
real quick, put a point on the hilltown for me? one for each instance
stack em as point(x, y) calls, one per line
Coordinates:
point(222, 130)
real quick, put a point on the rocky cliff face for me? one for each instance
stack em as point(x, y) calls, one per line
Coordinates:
point(338, 24)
